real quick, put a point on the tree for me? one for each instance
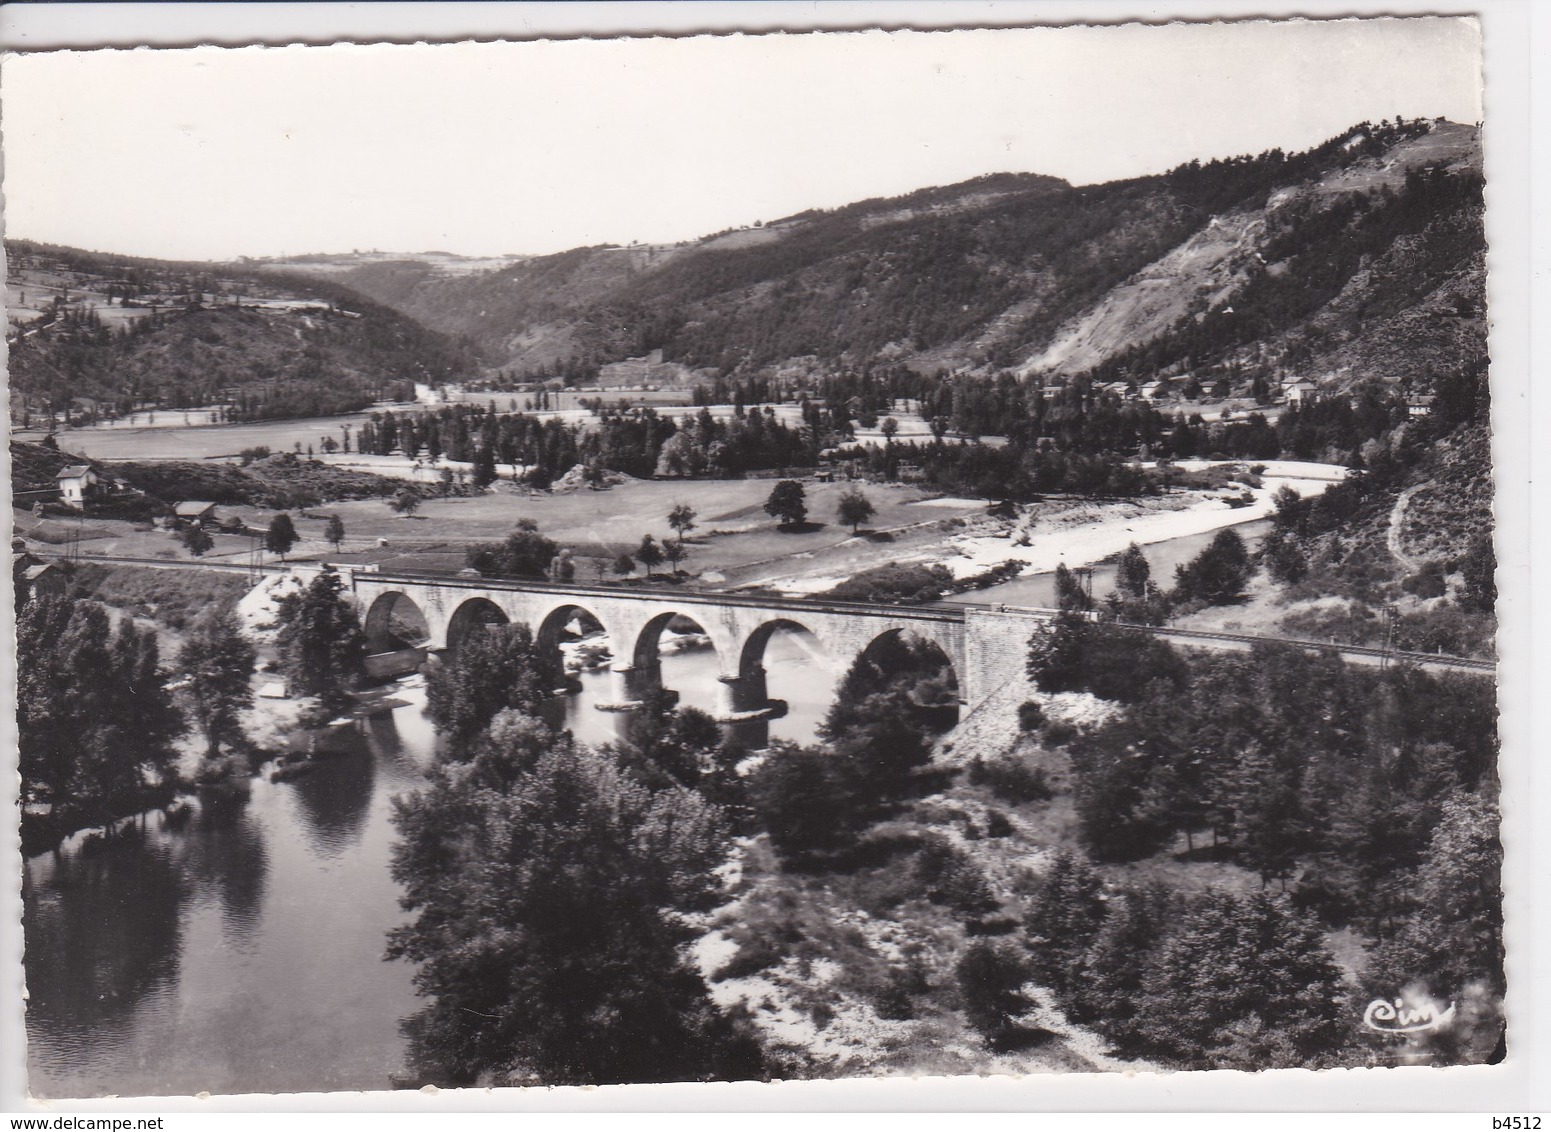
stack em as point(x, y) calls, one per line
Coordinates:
point(1282, 557)
point(855, 508)
point(550, 925)
point(788, 502)
point(196, 540)
point(990, 978)
point(484, 466)
point(218, 663)
point(406, 502)
point(335, 532)
point(1064, 921)
point(1478, 571)
point(1070, 594)
point(491, 671)
point(676, 553)
point(890, 429)
point(1218, 575)
point(1244, 984)
point(95, 720)
point(682, 520)
point(1132, 574)
point(1454, 936)
point(564, 567)
point(649, 554)
point(281, 535)
point(803, 797)
point(322, 646)
point(624, 566)
point(525, 554)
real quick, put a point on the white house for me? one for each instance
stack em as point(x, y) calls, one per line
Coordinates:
point(76, 483)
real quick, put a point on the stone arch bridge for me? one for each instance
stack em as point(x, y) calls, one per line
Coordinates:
point(986, 645)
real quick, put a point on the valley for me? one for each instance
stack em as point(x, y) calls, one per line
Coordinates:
point(511, 547)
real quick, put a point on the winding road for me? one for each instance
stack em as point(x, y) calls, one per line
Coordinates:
point(1397, 523)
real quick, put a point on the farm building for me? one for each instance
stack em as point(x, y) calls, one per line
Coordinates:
point(194, 512)
point(77, 484)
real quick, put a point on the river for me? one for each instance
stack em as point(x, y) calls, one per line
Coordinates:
point(244, 951)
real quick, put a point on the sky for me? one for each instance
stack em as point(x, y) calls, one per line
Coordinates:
point(531, 148)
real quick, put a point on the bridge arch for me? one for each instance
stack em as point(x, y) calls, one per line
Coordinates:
point(907, 650)
point(552, 627)
point(689, 669)
point(394, 621)
point(647, 649)
point(786, 671)
point(477, 614)
point(751, 658)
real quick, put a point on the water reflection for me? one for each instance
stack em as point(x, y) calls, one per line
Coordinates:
point(101, 937)
point(336, 797)
point(224, 855)
point(241, 953)
point(797, 671)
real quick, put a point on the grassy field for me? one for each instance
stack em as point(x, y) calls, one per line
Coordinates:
point(732, 530)
point(734, 539)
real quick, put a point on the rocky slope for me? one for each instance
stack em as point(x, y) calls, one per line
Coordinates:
point(1360, 258)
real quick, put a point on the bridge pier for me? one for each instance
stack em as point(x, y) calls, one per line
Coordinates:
point(744, 708)
point(630, 684)
point(740, 695)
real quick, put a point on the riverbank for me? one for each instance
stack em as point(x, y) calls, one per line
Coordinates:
point(1045, 535)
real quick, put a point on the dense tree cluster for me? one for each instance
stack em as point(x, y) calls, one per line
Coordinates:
point(1208, 982)
point(550, 889)
point(322, 646)
point(638, 442)
point(525, 553)
point(95, 718)
point(1299, 766)
point(876, 740)
point(1010, 472)
point(491, 671)
point(552, 884)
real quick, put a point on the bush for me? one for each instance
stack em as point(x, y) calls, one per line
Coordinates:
point(950, 877)
point(1058, 734)
point(804, 800)
point(990, 979)
point(1030, 716)
point(1428, 582)
point(1011, 780)
point(896, 584)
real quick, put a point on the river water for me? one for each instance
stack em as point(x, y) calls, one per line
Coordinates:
point(244, 951)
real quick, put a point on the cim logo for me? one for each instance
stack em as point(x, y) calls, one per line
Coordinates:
point(1397, 1016)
